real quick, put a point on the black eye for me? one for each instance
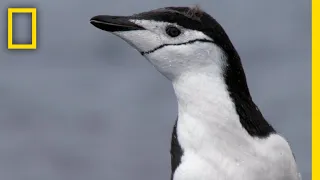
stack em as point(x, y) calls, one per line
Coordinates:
point(173, 31)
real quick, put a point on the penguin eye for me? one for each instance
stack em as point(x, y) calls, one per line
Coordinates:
point(173, 31)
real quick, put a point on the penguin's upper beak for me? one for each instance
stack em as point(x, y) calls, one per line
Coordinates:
point(114, 23)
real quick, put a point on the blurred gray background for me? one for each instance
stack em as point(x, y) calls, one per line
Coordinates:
point(87, 106)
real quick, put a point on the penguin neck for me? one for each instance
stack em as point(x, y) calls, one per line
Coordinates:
point(203, 96)
point(207, 119)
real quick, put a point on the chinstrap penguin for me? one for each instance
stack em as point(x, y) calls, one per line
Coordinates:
point(219, 134)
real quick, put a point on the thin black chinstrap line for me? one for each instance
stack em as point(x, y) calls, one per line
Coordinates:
point(188, 42)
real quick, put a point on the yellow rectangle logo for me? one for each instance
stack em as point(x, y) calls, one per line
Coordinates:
point(33, 12)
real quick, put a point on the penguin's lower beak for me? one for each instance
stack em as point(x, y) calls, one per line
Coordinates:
point(114, 23)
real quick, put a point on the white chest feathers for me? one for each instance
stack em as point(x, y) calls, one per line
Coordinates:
point(219, 157)
point(215, 145)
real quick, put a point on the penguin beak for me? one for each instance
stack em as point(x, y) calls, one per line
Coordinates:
point(114, 23)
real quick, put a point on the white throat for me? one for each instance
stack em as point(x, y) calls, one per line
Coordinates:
point(206, 110)
point(204, 95)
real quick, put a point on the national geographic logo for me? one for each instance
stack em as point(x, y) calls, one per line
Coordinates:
point(33, 12)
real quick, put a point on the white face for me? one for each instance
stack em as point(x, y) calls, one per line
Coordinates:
point(173, 56)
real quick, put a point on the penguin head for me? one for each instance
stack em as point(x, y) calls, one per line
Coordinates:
point(175, 40)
